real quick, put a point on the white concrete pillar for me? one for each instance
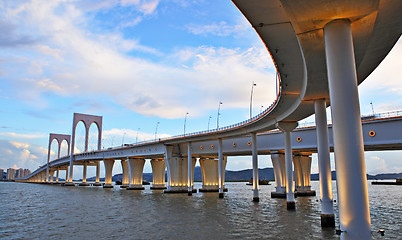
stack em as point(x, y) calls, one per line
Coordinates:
point(278, 163)
point(43, 176)
point(298, 174)
point(178, 174)
point(136, 167)
point(47, 174)
point(158, 174)
point(69, 180)
point(97, 175)
point(221, 168)
point(51, 174)
point(66, 180)
point(302, 172)
point(108, 173)
point(210, 174)
point(254, 151)
point(84, 174)
point(324, 164)
point(57, 175)
point(125, 181)
point(287, 128)
point(353, 203)
point(190, 171)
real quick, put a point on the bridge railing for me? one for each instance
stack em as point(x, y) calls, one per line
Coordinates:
point(363, 117)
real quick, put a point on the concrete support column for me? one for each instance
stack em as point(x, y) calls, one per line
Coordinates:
point(69, 180)
point(51, 174)
point(278, 163)
point(221, 168)
point(177, 171)
point(178, 174)
point(254, 150)
point(97, 176)
point(158, 174)
point(136, 167)
point(125, 181)
point(57, 175)
point(190, 172)
point(353, 203)
point(84, 174)
point(108, 173)
point(324, 164)
point(287, 128)
point(66, 180)
point(302, 174)
point(210, 174)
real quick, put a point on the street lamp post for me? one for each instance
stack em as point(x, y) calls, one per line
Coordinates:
point(262, 107)
point(209, 120)
point(251, 99)
point(136, 137)
point(122, 141)
point(217, 119)
point(372, 108)
point(185, 120)
point(156, 129)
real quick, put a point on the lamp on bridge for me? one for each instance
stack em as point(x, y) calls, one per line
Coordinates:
point(251, 99)
point(156, 129)
point(122, 141)
point(136, 137)
point(185, 120)
point(217, 119)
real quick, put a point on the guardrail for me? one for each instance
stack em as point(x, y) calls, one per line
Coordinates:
point(363, 117)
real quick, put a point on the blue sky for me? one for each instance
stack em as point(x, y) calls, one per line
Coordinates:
point(136, 63)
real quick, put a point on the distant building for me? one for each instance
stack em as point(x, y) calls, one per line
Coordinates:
point(19, 173)
point(11, 174)
point(2, 173)
point(27, 172)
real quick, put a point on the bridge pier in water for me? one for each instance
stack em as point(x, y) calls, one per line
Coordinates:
point(84, 174)
point(125, 179)
point(135, 167)
point(66, 179)
point(210, 174)
point(97, 176)
point(302, 172)
point(354, 212)
point(324, 165)
point(158, 174)
point(221, 168)
point(51, 175)
point(287, 128)
point(177, 172)
point(108, 173)
point(57, 175)
point(190, 171)
point(254, 152)
point(278, 163)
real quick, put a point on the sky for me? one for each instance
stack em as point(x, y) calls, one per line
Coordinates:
point(140, 62)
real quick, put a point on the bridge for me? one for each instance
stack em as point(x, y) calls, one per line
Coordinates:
point(322, 50)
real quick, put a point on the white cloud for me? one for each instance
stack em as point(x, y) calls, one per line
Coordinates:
point(98, 65)
point(220, 29)
point(383, 162)
point(144, 6)
point(21, 155)
point(21, 136)
point(383, 86)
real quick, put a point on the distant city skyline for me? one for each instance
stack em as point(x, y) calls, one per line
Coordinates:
point(140, 63)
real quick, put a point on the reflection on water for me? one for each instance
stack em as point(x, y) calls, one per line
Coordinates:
point(37, 211)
